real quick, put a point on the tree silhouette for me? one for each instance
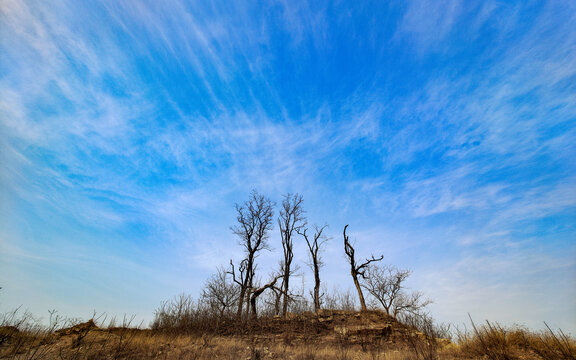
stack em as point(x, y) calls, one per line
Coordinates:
point(290, 221)
point(357, 269)
point(254, 222)
point(314, 245)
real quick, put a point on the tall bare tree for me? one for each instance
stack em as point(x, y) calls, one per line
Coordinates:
point(314, 245)
point(357, 269)
point(290, 221)
point(386, 284)
point(254, 222)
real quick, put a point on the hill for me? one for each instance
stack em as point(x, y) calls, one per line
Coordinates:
point(328, 334)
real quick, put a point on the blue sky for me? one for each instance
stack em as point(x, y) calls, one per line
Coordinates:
point(444, 133)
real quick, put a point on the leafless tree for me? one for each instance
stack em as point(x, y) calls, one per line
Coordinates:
point(290, 221)
point(220, 294)
point(357, 269)
point(314, 245)
point(258, 291)
point(386, 284)
point(254, 222)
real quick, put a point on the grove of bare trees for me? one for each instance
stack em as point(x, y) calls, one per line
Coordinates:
point(239, 287)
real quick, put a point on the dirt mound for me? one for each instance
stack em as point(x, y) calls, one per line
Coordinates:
point(361, 325)
point(332, 326)
point(373, 323)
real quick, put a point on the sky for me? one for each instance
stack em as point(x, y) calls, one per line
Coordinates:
point(443, 133)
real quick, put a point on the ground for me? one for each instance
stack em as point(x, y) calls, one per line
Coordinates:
point(328, 334)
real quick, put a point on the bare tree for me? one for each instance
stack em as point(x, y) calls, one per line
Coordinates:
point(314, 245)
point(290, 221)
point(257, 292)
point(254, 222)
point(220, 294)
point(357, 269)
point(386, 284)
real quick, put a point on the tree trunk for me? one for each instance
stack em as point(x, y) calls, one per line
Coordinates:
point(249, 281)
point(360, 294)
point(316, 286)
point(253, 303)
point(241, 303)
point(286, 287)
point(277, 300)
point(248, 303)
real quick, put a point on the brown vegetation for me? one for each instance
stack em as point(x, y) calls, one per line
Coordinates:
point(328, 334)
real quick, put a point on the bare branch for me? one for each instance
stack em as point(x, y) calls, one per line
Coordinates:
point(362, 267)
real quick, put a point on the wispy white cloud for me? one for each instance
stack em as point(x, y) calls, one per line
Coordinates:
point(428, 22)
point(509, 119)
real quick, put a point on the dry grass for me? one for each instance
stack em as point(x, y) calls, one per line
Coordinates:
point(22, 338)
point(146, 345)
point(495, 342)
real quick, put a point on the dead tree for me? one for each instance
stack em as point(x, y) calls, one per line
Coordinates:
point(386, 284)
point(290, 221)
point(257, 292)
point(357, 269)
point(315, 260)
point(254, 222)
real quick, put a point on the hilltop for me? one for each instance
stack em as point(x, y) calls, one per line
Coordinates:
point(327, 334)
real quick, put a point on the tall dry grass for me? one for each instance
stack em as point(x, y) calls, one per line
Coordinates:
point(496, 342)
